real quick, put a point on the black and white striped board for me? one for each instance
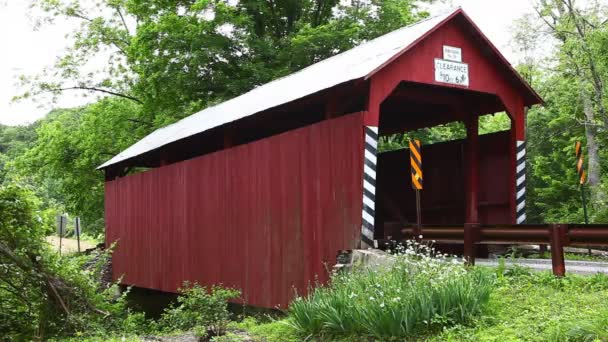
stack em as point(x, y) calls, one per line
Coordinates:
point(369, 187)
point(520, 185)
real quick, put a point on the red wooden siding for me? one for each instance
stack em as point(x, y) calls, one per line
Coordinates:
point(444, 177)
point(262, 217)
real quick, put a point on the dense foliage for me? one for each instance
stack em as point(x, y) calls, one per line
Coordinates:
point(44, 295)
point(201, 308)
point(423, 290)
point(68, 148)
point(523, 306)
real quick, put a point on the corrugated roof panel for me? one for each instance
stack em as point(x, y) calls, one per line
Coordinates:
point(350, 65)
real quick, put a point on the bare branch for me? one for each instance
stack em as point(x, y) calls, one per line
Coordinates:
point(147, 123)
point(101, 90)
point(122, 18)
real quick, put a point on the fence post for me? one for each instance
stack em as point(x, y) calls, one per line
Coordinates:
point(557, 234)
point(470, 232)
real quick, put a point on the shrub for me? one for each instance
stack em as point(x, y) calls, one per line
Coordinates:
point(267, 329)
point(421, 290)
point(44, 295)
point(199, 307)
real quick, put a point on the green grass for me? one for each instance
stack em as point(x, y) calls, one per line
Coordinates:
point(523, 306)
point(267, 329)
point(418, 293)
point(570, 256)
point(446, 302)
point(539, 307)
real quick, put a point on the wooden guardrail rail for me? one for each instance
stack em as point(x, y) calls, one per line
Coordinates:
point(557, 236)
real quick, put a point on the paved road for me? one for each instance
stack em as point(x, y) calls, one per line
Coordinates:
point(578, 267)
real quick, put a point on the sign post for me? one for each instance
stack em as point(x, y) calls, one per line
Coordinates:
point(61, 227)
point(582, 178)
point(416, 164)
point(77, 231)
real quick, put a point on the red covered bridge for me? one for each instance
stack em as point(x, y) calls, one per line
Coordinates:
point(262, 191)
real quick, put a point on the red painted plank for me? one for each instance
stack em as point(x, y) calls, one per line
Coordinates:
point(261, 217)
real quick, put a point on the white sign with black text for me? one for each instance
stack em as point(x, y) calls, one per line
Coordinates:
point(451, 72)
point(451, 53)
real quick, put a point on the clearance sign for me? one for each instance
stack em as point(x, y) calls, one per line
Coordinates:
point(451, 69)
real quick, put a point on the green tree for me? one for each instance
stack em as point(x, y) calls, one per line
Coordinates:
point(13, 142)
point(580, 28)
point(167, 59)
point(71, 145)
point(45, 295)
point(174, 57)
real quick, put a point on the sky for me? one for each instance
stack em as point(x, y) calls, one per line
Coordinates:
point(26, 50)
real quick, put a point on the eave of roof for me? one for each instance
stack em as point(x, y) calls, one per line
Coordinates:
point(360, 62)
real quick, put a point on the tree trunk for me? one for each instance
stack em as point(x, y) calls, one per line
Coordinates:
point(594, 165)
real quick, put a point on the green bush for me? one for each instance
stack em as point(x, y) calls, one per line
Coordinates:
point(44, 295)
point(267, 329)
point(422, 291)
point(199, 307)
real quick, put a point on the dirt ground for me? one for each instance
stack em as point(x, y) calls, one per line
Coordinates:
point(68, 245)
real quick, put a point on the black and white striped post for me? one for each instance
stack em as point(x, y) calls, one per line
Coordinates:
point(369, 187)
point(520, 187)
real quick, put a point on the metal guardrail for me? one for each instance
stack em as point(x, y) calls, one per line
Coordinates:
point(557, 236)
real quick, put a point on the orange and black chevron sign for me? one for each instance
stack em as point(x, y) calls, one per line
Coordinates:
point(416, 161)
point(579, 162)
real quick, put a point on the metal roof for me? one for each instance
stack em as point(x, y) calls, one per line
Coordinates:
point(353, 64)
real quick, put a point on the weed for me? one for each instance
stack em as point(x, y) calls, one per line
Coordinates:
point(199, 306)
point(537, 306)
point(423, 290)
point(274, 330)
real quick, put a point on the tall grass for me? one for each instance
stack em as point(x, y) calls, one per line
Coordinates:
point(593, 329)
point(422, 290)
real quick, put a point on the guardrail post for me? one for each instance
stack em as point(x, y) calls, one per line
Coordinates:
point(557, 234)
point(470, 232)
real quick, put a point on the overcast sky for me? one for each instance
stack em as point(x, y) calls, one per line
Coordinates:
point(25, 50)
